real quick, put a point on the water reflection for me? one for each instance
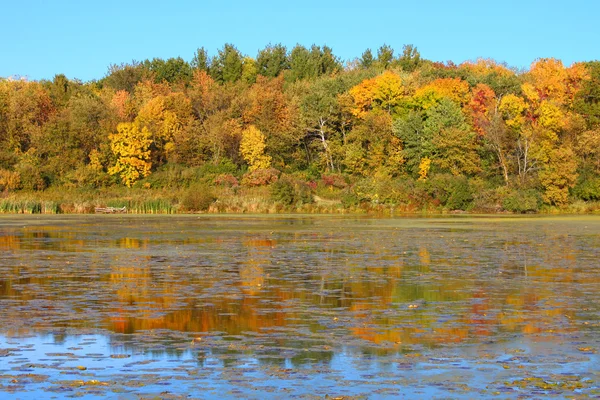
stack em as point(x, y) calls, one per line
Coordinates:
point(299, 291)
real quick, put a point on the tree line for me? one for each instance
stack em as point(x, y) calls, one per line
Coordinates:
point(444, 130)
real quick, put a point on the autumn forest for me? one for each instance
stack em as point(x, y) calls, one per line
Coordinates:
point(300, 130)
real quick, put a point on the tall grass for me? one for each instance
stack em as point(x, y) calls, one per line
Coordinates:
point(152, 206)
point(9, 206)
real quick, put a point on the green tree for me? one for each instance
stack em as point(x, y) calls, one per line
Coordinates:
point(200, 61)
point(173, 70)
point(227, 65)
point(587, 100)
point(442, 135)
point(125, 76)
point(313, 63)
point(299, 63)
point(385, 56)
point(410, 59)
point(366, 59)
point(272, 60)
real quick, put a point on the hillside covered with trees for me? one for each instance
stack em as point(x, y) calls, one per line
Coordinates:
point(297, 129)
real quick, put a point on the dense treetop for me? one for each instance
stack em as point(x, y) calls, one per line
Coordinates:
point(385, 114)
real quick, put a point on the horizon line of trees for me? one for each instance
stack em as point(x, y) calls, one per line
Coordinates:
point(302, 112)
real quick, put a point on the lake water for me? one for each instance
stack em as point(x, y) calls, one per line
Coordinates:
point(167, 307)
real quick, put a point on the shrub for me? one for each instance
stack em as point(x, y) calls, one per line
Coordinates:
point(9, 180)
point(461, 195)
point(334, 180)
point(452, 192)
point(260, 177)
point(225, 166)
point(198, 198)
point(283, 192)
point(522, 201)
point(587, 189)
point(226, 180)
point(288, 191)
point(303, 193)
point(31, 177)
point(349, 198)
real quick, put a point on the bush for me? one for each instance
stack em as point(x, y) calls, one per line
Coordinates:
point(587, 189)
point(334, 180)
point(521, 201)
point(303, 193)
point(260, 177)
point(168, 175)
point(9, 180)
point(452, 192)
point(461, 195)
point(226, 180)
point(198, 198)
point(287, 192)
point(283, 192)
point(31, 177)
point(225, 166)
point(349, 198)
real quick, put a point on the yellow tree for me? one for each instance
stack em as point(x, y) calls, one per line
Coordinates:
point(131, 146)
point(454, 89)
point(253, 147)
point(384, 92)
point(559, 173)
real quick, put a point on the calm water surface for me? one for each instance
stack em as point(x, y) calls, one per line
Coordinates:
point(299, 307)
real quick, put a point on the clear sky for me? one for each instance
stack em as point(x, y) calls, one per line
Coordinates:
point(82, 38)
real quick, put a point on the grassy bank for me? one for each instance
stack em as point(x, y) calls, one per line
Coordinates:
point(263, 199)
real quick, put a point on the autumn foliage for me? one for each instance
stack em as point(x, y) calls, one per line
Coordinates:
point(303, 112)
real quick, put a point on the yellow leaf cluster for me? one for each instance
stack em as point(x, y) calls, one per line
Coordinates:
point(454, 89)
point(253, 147)
point(551, 116)
point(384, 92)
point(486, 66)
point(424, 167)
point(513, 108)
point(131, 147)
point(548, 76)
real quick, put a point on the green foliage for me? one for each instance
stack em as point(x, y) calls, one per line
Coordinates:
point(124, 76)
point(417, 141)
point(272, 60)
point(227, 66)
point(366, 59)
point(385, 56)
point(28, 207)
point(410, 59)
point(453, 192)
point(198, 198)
point(522, 201)
point(587, 188)
point(283, 192)
point(200, 61)
point(313, 63)
point(587, 100)
point(171, 70)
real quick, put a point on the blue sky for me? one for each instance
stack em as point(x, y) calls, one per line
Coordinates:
point(82, 38)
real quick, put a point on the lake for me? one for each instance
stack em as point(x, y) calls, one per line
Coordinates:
point(129, 307)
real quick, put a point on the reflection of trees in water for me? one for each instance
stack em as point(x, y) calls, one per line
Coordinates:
point(392, 289)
